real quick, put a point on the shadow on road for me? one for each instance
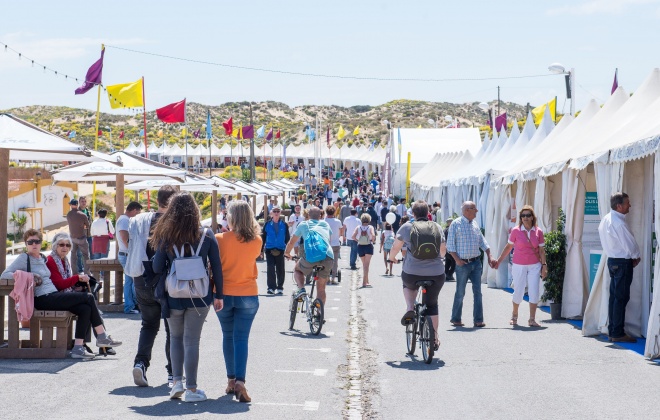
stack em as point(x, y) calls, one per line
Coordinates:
point(416, 364)
point(302, 334)
point(11, 366)
point(142, 391)
point(222, 405)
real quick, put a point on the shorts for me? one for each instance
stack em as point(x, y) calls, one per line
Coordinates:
point(430, 298)
point(365, 250)
point(307, 267)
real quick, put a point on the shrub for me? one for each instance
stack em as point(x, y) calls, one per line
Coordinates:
point(555, 258)
point(290, 175)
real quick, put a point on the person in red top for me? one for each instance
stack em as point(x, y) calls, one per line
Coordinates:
point(59, 266)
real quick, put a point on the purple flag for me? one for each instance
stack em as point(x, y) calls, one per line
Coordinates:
point(615, 85)
point(196, 133)
point(500, 122)
point(93, 76)
point(248, 132)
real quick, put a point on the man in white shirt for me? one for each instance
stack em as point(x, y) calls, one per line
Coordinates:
point(123, 221)
point(622, 256)
point(337, 231)
point(350, 224)
point(401, 207)
point(293, 222)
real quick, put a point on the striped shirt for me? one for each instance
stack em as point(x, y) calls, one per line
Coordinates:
point(465, 238)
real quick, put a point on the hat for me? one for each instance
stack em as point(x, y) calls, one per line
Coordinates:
point(73, 202)
point(276, 207)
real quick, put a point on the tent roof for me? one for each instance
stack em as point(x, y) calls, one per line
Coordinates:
point(133, 168)
point(424, 143)
point(26, 141)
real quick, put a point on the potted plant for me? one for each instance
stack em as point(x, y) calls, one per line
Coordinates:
point(286, 210)
point(555, 257)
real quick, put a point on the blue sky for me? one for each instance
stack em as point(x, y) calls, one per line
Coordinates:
point(386, 39)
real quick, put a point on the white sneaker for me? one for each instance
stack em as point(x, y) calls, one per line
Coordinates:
point(196, 396)
point(177, 390)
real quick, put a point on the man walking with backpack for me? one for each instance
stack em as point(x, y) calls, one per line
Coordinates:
point(318, 252)
point(140, 250)
point(426, 245)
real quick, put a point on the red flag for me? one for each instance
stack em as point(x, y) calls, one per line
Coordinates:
point(100, 133)
point(269, 136)
point(229, 126)
point(173, 113)
point(121, 135)
point(278, 135)
point(328, 136)
point(615, 85)
point(248, 132)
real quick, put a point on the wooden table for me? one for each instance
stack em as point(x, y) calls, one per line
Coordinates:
point(108, 265)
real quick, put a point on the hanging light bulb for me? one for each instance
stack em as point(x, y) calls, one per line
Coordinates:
point(6, 46)
point(32, 63)
point(44, 69)
point(19, 56)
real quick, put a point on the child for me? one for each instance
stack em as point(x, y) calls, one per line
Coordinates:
point(386, 242)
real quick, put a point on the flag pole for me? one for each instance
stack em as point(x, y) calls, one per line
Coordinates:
point(209, 135)
point(146, 150)
point(96, 144)
point(272, 153)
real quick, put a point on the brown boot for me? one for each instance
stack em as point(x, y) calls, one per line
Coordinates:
point(241, 392)
point(231, 384)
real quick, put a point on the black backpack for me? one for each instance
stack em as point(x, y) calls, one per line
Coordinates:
point(425, 240)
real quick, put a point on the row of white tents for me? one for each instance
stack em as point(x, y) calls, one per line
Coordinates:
point(304, 151)
point(602, 150)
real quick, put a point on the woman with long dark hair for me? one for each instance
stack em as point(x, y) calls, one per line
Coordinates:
point(178, 227)
point(239, 249)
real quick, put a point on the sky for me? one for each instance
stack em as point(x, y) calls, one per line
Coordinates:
point(367, 39)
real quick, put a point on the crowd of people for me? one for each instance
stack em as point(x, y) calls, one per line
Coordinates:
point(218, 269)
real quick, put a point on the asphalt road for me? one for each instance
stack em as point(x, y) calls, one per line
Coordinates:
point(357, 367)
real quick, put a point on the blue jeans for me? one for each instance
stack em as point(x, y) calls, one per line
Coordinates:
point(621, 272)
point(354, 253)
point(236, 320)
point(129, 288)
point(471, 271)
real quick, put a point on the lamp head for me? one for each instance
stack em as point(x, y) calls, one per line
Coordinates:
point(484, 106)
point(430, 121)
point(557, 68)
point(449, 118)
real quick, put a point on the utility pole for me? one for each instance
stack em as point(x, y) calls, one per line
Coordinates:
point(498, 100)
point(252, 168)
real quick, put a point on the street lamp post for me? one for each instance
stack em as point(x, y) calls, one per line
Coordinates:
point(487, 109)
point(557, 68)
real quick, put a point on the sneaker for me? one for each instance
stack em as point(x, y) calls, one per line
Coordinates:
point(196, 396)
point(132, 312)
point(107, 351)
point(279, 292)
point(270, 291)
point(107, 342)
point(301, 292)
point(140, 374)
point(177, 390)
point(170, 381)
point(80, 353)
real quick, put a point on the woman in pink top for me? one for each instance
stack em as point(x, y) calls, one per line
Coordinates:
point(528, 262)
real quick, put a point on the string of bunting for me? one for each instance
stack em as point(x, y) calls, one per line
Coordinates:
point(46, 68)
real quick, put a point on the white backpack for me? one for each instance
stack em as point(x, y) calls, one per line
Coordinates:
point(188, 277)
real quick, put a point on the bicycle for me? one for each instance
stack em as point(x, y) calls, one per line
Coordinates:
point(312, 308)
point(421, 329)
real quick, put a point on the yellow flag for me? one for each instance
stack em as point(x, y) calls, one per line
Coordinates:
point(184, 132)
point(125, 95)
point(341, 133)
point(160, 133)
point(540, 110)
point(419, 126)
point(234, 133)
point(356, 131)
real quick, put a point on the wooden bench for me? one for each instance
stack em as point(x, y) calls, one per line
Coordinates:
point(107, 265)
point(14, 247)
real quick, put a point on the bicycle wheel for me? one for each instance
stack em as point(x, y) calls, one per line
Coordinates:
point(316, 321)
point(427, 339)
point(411, 336)
point(293, 309)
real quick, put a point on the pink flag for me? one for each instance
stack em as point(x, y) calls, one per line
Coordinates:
point(615, 85)
point(500, 122)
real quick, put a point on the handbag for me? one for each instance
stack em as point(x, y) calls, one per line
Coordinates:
point(536, 251)
point(188, 277)
point(107, 224)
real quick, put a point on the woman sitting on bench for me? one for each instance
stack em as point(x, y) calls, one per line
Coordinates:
point(46, 297)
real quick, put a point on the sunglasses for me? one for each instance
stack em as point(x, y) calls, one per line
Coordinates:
point(526, 215)
point(33, 241)
point(64, 245)
point(276, 211)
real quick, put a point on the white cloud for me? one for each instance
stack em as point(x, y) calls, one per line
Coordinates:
point(592, 7)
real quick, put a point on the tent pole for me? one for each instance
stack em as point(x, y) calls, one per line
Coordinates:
point(4, 198)
point(119, 195)
point(146, 151)
point(214, 211)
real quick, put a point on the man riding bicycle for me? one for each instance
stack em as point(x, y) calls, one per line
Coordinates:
point(318, 252)
point(425, 246)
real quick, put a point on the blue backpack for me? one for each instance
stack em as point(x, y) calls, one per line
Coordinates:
point(316, 248)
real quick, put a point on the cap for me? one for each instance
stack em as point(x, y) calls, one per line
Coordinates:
point(275, 207)
point(73, 202)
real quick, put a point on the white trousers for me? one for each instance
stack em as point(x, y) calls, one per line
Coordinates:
point(528, 276)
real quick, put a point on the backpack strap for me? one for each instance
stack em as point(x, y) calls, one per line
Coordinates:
point(201, 241)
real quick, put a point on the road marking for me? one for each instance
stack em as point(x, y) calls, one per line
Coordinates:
point(329, 333)
point(334, 308)
point(331, 319)
point(338, 291)
point(315, 372)
point(322, 350)
point(336, 299)
point(307, 406)
point(355, 409)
